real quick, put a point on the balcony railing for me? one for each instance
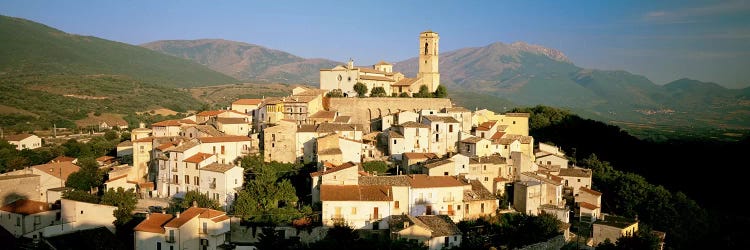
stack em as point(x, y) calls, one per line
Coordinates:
point(169, 239)
point(376, 216)
point(447, 212)
point(421, 201)
point(449, 199)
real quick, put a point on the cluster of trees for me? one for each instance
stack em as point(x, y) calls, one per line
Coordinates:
point(508, 230)
point(124, 200)
point(338, 237)
point(268, 196)
point(624, 181)
point(193, 196)
point(361, 89)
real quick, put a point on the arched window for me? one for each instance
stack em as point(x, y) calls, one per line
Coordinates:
point(426, 46)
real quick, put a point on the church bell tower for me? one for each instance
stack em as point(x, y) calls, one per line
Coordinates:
point(428, 59)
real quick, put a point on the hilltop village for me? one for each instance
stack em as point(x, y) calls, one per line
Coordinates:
point(444, 164)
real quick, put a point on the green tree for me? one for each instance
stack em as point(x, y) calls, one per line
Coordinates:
point(80, 195)
point(424, 92)
point(377, 166)
point(335, 93)
point(361, 89)
point(441, 92)
point(88, 177)
point(124, 200)
point(404, 94)
point(378, 92)
point(194, 196)
point(110, 135)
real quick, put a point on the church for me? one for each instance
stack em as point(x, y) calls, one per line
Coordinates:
point(344, 77)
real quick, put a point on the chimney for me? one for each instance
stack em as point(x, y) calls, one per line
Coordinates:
point(177, 215)
point(147, 215)
point(195, 203)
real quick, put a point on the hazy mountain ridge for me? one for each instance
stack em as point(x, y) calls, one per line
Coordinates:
point(245, 61)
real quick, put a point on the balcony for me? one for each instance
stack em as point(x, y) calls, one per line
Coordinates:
point(449, 199)
point(421, 201)
point(169, 239)
point(448, 212)
point(174, 169)
point(377, 216)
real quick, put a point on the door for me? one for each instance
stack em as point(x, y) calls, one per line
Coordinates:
point(375, 215)
point(428, 209)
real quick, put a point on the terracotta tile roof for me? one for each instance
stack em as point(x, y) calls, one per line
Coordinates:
point(478, 192)
point(405, 82)
point(306, 128)
point(210, 213)
point(247, 102)
point(198, 158)
point(437, 163)
point(210, 130)
point(217, 167)
point(383, 63)
point(497, 136)
point(456, 109)
point(590, 191)
point(185, 216)
point(500, 179)
point(127, 143)
point(412, 156)
point(332, 168)
point(396, 223)
point(440, 225)
point(146, 139)
point(486, 126)
point(26, 207)
point(218, 139)
point(60, 170)
point(545, 178)
point(228, 120)
point(154, 223)
point(587, 205)
point(369, 70)
point(329, 151)
point(517, 114)
point(493, 159)
point(17, 176)
point(445, 119)
point(220, 218)
point(355, 193)
point(336, 127)
point(17, 137)
point(394, 134)
point(472, 140)
point(324, 115)
point(184, 146)
point(146, 185)
point(167, 123)
point(575, 172)
point(413, 124)
point(116, 178)
point(63, 158)
point(165, 146)
point(211, 113)
point(394, 180)
point(343, 119)
point(424, 181)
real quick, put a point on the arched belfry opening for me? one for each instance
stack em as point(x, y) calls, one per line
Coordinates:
point(426, 46)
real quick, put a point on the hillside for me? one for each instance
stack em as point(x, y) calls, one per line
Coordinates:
point(530, 75)
point(245, 61)
point(51, 77)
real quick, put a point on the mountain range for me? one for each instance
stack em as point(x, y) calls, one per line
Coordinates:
point(39, 63)
point(522, 73)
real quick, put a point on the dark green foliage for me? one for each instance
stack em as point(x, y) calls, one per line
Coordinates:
point(378, 92)
point(404, 94)
point(124, 200)
point(201, 199)
point(336, 93)
point(110, 135)
point(440, 92)
point(361, 89)
point(509, 230)
point(80, 195)
point(424, 92)
point(88, 177)
point(643, 239)
point(339, 237)
point(12, 159)
point(379, 167)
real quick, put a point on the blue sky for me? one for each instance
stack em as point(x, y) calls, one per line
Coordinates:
point(663, 40)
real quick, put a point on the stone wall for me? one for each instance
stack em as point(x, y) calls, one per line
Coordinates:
point(364, 110)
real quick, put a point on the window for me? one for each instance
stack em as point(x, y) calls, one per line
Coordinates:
point(450, 128)
point(485, 167)
point(214, 149)
point(446, 241)
point(486, 178)
point(481, 207)
point(175, 179)
point(482, 134)
point(458, 207)
point(445, 173)
point(205, 227)
point(579, 180)
point(395, 204)
point(437, 127)
point(354, 210)
point(426, 46)
point(437, 137)
point(196, 180)
point(158, 245)
point(394, 141)
point(18, 221)
point(222, 149)
point(187, 179)
point(514, 122)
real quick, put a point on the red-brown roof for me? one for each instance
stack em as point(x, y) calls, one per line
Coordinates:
point(167, 123)
point(332, 168)
point(500, 179)
point(211, 113)
point(497, 135)
point(146, 185)
point(105, 158)
point(59, 169)
point(420, 155)
point(62, 158)
point(154, 223)
point(197, 158)
point(425, 181)
point(220, 218)
point(191, 213)
point(164, 146)
point(485, 126)
point(355, 193)
point(590, 191)
point(224, 139)
point(116, 178)
point(587, 205)
point(247, 102)
point(26, 207)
